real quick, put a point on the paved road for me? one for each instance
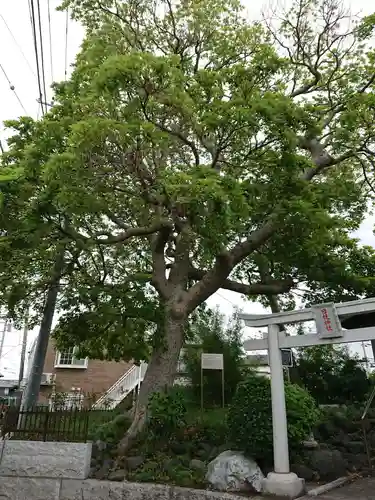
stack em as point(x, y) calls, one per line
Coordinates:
point(363, 489)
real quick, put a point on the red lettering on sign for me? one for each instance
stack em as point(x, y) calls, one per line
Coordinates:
point(327, 321)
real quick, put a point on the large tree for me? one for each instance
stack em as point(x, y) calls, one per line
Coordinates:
point(188, 145)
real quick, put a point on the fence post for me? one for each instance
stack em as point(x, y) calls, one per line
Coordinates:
point(45, 427)
point(86, 425)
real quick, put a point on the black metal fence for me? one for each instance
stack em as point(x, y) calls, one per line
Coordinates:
point(44, 424)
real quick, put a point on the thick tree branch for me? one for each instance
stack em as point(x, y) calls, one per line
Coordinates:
point(271, 287)
point(179, 273)
point(158, 243)
point(266, 277)
point(116, 220)
point(126, 235)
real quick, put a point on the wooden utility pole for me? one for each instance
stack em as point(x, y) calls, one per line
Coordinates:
point(23, 350)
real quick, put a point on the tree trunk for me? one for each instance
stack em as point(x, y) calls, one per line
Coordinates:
point(160, 374)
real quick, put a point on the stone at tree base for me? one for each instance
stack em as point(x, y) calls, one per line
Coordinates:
point(197, 464)
point(214, 453)
point(303, 471)
point(206, 447)
point(231, 471)
point(117, 475)
point(355, 446)
point(100, 445)
point(178, 448)
point(101, 473)
point(200, 453)
point(92, 472)
point(329, 464)
point(356, 461)
point(311, 442)
point(133, 463)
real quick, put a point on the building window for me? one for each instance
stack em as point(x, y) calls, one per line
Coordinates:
point(67, 359)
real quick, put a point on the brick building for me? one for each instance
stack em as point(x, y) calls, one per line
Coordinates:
point(85, 382)
point(78, 381)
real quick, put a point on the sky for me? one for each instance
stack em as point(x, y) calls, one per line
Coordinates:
point(18, 70)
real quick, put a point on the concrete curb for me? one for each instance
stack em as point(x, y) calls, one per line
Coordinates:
point(28, 488)
point(326, 487)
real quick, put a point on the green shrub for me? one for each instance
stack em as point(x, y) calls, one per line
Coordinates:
point(111, 432)
point(161, 468)
point(209, 427)
point(167, 411)
point(250, 417)
point(302, 412)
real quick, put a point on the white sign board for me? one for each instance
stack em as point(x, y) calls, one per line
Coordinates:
point(327, 322)
point(212, 361)
point(287, 358)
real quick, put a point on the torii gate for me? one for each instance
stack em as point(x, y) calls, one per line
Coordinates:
point(330, 320)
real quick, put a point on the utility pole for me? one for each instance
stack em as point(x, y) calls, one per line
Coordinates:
point(3, 336)
point(373, 350)
point(6, 327)
point(23, 350)
point(31, 392)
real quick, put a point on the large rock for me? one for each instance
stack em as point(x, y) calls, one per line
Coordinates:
point(231, 471)
point(357, 461)
point(303, 471)
point(329, 464)
point(355, 447)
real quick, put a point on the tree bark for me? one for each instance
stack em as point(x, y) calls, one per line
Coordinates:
point(160, 375)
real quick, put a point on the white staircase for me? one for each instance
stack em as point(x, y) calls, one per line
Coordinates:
point(121, 388)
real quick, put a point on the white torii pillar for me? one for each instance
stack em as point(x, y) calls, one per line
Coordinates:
point(327, 317)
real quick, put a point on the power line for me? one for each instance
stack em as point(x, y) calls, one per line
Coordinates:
point(12, 88)
point(50, 39)
point(41, 51)
point(66, 43)
point(18, 45)
point(32, 20)
point(225, 298)
point(10, 350)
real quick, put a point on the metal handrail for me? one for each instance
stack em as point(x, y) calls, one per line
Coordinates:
point(119, 382)
point(368, 404)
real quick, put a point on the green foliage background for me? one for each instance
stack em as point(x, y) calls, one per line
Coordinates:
point(209, 333)
point(332, 375)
